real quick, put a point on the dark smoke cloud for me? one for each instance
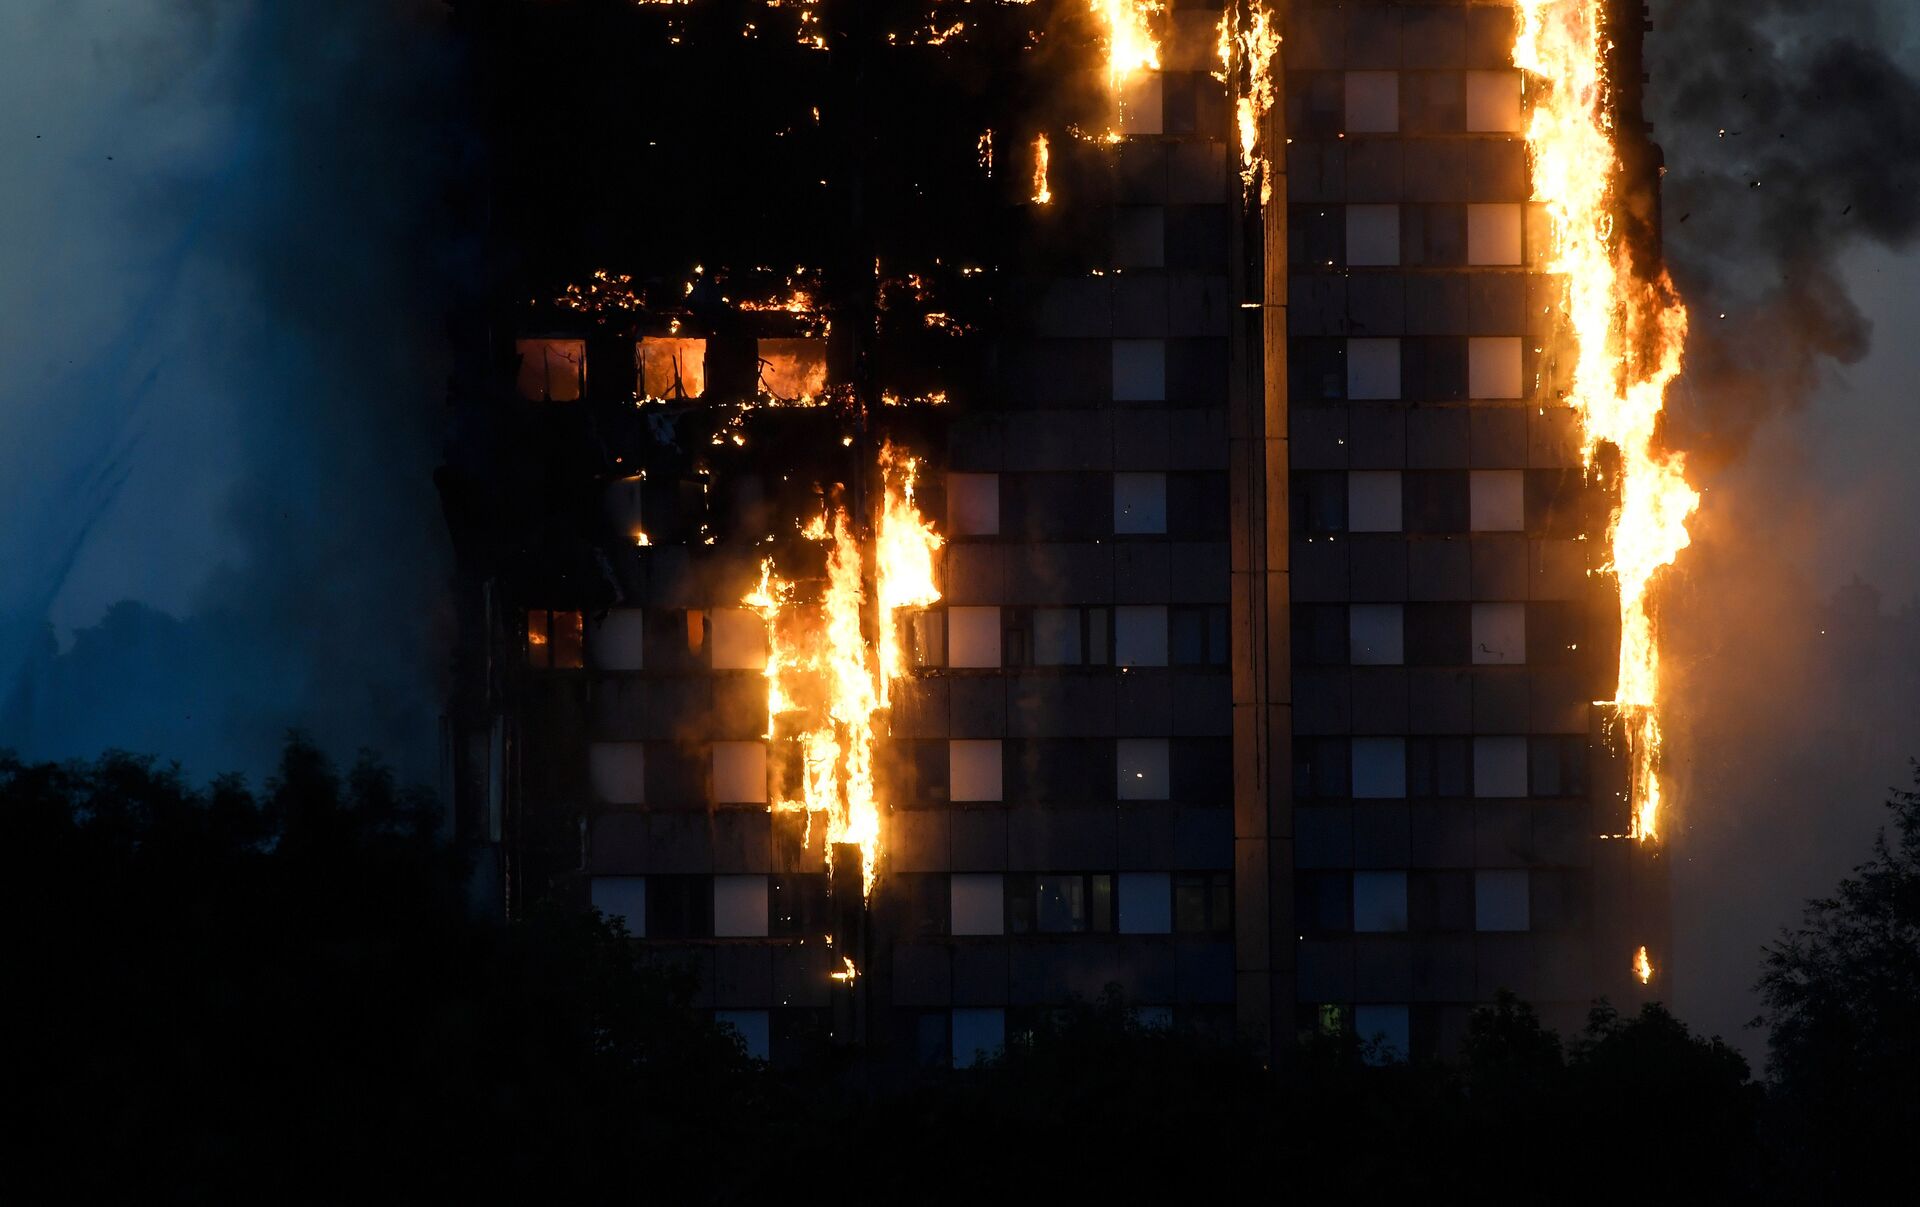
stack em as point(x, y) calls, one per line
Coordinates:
point(1792, 138)
point(233, 228)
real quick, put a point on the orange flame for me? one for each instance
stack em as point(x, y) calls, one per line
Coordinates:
point(1628, 333)
point(1258, 42)
point(1131, 45)
point(1643, 966)
point(1041, 193)
point(828, 687)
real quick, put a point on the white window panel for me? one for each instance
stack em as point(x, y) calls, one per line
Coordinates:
point(1140, 636)
point(979, 1034)
point(1499, 634)
point(617, 772)
point(1139, 370)
point(1139, 503)
point(739, 640)
point(973, 637)
point(1375, 635)
point(1493, 234)
point(551, 370)
point(1146, 903)
point(977, 903)
point(739, 773)
point(752, 1026)
point(1493, 101)
point(740, 907)
point(1380, 902)
point(973, 504)
point(1140, 103)
point(1139, 236)
point(1056, 637)
point(1373, 500)
point(1373, 368)
point(1141, 768)
point(1373, 102)
point(672, 366)
point(1500, 900)
point(1499, 767)
point(1379, 768)
point(973, 769)
point(623, 898)
point(1493, 366)
point(1387, 1031)
point(618, 640)
point(1373, 236)
point(1496, 500)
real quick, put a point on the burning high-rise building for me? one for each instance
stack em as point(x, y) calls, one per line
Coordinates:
point(964, 504)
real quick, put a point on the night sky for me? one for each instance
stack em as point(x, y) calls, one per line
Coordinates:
point(225, 258)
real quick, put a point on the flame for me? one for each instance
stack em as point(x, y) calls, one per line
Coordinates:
point(1643, 965)
point(1258, 42)
point(827, 686)
point(1628, 332)
point(1041, 193)
point(1131, 45)
point(847, 974)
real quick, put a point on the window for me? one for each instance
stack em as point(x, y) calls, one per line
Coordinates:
point(1497, 500)
point(1320, 768)
point(1499, 634)
point(1373, 102)
point(1319, 502)
point(551, 370)
point(1056, 636)
point(1140, 636)
point(1436, 501)
point(973, 504)
point(1433, 236)
point(973, 637)
point(1139, 503)
point(793, 369)
point(739, 640)
point(672, 367)
point(679, 907)
point(1373, 368)
point(1141, 768)
point(928, 632)
point(1438, 634)
point(927, 901)
point(798, 905)
point(624, 500)
point(1323, 902)
point(623, 899)
point(1375, 635)
point(1500, 900)
point(977, 903)
point(1139, 370)
point(1493, 234)
point(1373, 501)
point(1203, 903)
point(1016, 636)
point(752, 1026)
point(1139, 236)
point(1140, 103)
point(1557, 765)
point(1373, 235)
point(979, 1034)
point(1493, 367)
point(617, 772)
point(554, 640)
point(618, 640)
point(1385, 1030)
point(1320, 635)
point(1059, 903)
point(740, 907)
point(1499, 767)
point(1379, 902)
point(739, 773)
point(1493, 101)
point(1146, 903)
point(1198, 635)
point(1440, 901)
point(1439, 767)
point(1379, 768)
point(973, 770)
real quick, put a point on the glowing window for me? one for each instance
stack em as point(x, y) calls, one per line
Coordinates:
point(1493, 366)
point(739, 640)
point(551, 370)
point(1493, 101)
point(554, 640)
point(671, 367)
point(1140, 103)
point(793, 370)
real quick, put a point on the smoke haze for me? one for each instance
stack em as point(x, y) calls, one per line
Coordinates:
point(1792, 204)
point(223, 260)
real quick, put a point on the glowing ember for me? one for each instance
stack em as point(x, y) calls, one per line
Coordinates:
point(1628, 333)
point(827, 685)
point(1643, 966)
point(1041, 193)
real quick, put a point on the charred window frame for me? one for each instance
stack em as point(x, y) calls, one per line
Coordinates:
point(556, 640)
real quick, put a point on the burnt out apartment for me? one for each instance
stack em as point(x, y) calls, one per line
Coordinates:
point(945, 526)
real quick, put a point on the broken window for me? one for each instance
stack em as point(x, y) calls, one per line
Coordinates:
point(671, 367)
point(554, 640)
point(793, 370)
point(551, 370)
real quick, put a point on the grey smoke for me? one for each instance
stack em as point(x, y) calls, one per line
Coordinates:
point(226, 260)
